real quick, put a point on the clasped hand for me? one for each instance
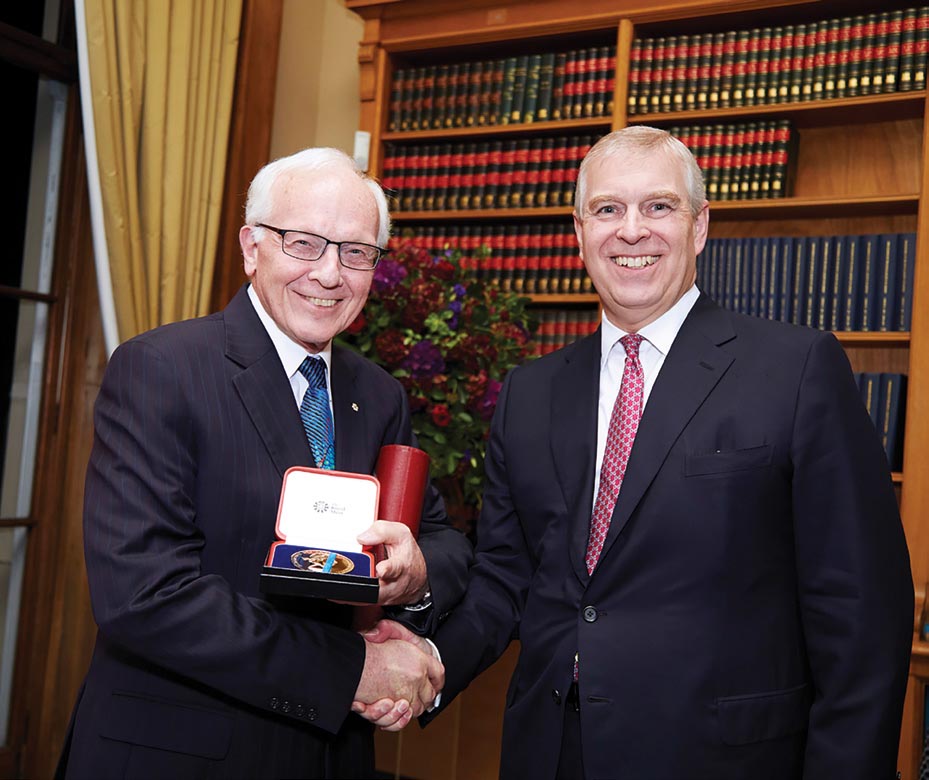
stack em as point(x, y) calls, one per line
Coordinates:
point(401, 677)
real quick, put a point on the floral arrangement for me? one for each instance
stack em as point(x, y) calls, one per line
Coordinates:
point(450, 339)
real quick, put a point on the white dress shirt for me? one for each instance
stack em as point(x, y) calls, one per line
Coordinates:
point(657, 338)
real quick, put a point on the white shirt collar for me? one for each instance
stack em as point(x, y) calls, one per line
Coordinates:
point(290, 353)
point(660, 333)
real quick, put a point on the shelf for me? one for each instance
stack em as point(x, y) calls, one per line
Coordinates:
point(811, 113)
point(864, 206)
point(869, 338)
point(594, 124)
point(780, 208)
point(564, 298)
point(495, 215)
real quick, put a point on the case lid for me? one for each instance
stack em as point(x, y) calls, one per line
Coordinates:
point(326, 509)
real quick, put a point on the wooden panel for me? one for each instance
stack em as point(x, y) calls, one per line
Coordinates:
point(865, 159)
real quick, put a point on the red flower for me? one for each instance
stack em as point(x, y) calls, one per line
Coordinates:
point(358, 325)
point(443, 270)
point(390, 347)
point(440, 415)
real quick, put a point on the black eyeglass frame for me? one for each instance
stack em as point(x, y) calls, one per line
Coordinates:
point(337, 244)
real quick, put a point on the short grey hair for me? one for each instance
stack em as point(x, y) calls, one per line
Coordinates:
point(639, 140)
point(259, 203)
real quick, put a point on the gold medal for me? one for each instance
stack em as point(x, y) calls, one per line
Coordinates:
point(322, 560)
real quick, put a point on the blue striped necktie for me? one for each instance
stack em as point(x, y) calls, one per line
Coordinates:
point(316, 414)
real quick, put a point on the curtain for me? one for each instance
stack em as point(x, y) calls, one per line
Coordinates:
point(161, 76)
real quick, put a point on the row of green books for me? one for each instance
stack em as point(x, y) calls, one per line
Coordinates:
point(512, 173)
point(533, 258)
point(884, 396)
point(509, 90)
point(839, 283)
point(833, 58)
point(560, 327)
point(742, 161)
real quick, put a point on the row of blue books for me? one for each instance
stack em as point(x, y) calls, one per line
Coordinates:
point(884, 396)
point(839, 283)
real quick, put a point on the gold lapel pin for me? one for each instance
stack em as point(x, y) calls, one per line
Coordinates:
point(354, 407)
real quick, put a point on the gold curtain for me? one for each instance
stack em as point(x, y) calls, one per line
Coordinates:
point(162, 74)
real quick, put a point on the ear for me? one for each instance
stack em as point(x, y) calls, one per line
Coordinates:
point(579, 232)
point(249, 245)
point(701, 228)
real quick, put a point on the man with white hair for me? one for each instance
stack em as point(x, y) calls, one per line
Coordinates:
point(195, 673)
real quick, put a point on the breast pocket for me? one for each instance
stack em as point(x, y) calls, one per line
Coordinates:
point(727, 461)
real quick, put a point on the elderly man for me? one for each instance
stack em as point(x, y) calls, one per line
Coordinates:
point(688, 523)
point(194, 673)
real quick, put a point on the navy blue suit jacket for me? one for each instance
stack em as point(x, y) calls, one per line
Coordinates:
point(751, 614)
point(194, 673)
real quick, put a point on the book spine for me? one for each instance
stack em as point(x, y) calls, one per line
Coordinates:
point(519, 89)
point(558, 78)
point(892, 51)
point(546, 76)
point(716, 67)
point(888, 282)
point(922, 47)
point(851, 310)
point(473, 101)
point(907, 51)
point(507, 90)
point(907, 267)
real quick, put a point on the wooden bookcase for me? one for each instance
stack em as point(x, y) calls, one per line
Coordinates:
point(861, 167)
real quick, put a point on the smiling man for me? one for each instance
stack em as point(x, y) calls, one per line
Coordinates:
point(688, 523)
point(195, 673)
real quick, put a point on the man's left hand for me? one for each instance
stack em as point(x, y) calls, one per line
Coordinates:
point(402, 575)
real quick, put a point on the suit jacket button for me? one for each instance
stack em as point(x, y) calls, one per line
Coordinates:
point(274, 703)
point(311, 715)
point(285, 706)
point(556, 696)
point(590, 614)
point(299, 710)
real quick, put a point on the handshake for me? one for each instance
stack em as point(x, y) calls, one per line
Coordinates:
point(401, 676)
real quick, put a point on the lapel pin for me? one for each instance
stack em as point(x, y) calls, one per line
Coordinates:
point(354, 407)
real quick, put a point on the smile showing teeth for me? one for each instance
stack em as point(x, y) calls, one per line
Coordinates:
point(326, 302)
point(628, 261)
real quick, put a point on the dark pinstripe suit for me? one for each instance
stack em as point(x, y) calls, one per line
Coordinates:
point(194, 674)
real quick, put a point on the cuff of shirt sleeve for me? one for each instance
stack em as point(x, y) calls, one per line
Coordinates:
point(437, 702)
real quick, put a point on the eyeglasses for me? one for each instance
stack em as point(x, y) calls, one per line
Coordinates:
point(309, 246)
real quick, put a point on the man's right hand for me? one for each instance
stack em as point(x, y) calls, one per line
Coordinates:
point(398, 682)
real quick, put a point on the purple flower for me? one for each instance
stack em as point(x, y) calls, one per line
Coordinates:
point(424, 361)
point(460, 290)
point(487, 404)
point(389, 273)
point(455, 306)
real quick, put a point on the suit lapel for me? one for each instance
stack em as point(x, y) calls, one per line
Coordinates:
point(348, 404)
point(691, 370)
point(574, 427)
point(262, 385)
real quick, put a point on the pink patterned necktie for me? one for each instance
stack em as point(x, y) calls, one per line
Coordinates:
point(624, 421)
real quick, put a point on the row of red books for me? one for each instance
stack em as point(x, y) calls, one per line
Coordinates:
point(742, 161)
point(530, 259)
point(832, 58)
point(560, 327)
point(515, 173)
point(508, 90)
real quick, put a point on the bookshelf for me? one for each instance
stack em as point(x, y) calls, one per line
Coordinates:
point(858, 166)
